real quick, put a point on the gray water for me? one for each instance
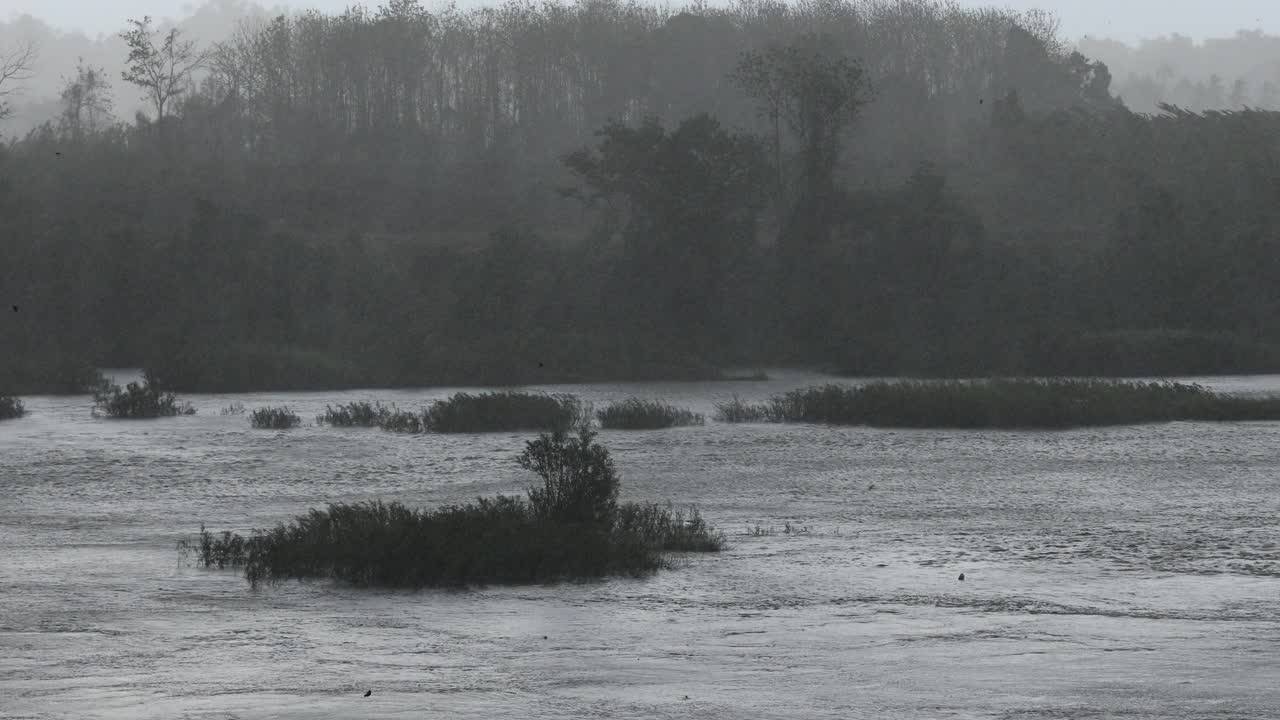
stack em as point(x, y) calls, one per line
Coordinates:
point(1129, 572)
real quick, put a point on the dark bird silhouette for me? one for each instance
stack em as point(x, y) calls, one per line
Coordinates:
point(961, 577)
point(367, 693)
point(544, 637)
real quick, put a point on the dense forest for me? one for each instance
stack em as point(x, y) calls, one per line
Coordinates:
point(609, 189)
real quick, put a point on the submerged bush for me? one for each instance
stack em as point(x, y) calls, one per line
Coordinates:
point(1054, 403)
point(569, 527)
point(637, 414)
point(145, 400)
point(11, 408)
point(235, 408)
point(403, 421)
point(504, 411)
point(272, 418)
point(354, 414)
point(738, 411)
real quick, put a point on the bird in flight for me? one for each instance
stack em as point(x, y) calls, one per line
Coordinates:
point(367, 693)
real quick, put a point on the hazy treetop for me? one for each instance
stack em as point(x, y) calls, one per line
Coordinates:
point(1126, 20)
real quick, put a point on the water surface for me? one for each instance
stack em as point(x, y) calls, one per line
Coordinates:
point(1130, 571)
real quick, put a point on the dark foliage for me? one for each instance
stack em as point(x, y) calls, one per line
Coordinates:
point(1006, 404)
point(355, 414)
point(890, 188)
point(503, 410)
point(11, 408)
point(138, 400)
point(403, 421)
point(571, 527)
point(273, 418)
point(638, 414)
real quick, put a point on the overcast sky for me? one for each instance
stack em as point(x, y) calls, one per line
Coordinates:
point(1126, 20)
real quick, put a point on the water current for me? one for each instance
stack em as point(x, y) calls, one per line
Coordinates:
point(1119, 572)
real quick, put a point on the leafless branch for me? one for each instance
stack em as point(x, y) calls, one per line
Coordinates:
point(16, 66)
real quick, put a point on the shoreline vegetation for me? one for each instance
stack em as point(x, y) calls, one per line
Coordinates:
point(1002, 403)
point(639, 414)
point(570, 526)
point(11, 408)
point(1010, 403)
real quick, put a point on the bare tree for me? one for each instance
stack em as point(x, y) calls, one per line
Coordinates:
point(162, 71)
point(15, 68)
point(86, 102)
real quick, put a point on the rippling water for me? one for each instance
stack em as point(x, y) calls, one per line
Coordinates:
point(1109, 572)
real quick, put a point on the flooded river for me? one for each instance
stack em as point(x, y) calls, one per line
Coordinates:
point(1121, 572)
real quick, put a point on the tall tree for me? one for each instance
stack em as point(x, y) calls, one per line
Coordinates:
point(86, 103)
point(162, 72)
point(818, 92)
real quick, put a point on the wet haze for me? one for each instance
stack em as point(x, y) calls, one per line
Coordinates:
point(1128, 21)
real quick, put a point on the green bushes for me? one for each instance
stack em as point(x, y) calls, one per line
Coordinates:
point(637, 414)
point(569, 527)
point(11, 408)
point(354, 414)
point(145, 400)
point(272, 418)
point(1003, 404)
point(504, 410)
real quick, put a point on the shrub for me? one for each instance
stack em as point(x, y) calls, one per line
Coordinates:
point(144, 400)
point(570, 526)
point(668, 528)
point(637, 414)
point(504, 411)
point(272, 418)
point(354, 414)
point(11, 408)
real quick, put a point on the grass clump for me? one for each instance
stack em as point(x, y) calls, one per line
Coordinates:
point(1056, 403)
point(235, 408)
point(11, 408)
point(273, 418)
point(134, 401)
point(569, 526)
point(504, 410)
point(637, 414)
point(403, 421)
point(739, 411)
point(354, 414)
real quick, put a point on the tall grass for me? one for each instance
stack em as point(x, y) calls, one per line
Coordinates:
point(273, 418)
point(11, 408)
point(1056, 403)
point(403, 421)
point(504, 410)
point(569, 526)
point(355, 414)
point(637, 414)
point(235, 408)
point(137, 400)
point(739, 411)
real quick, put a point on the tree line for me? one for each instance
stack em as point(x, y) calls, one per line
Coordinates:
point(607, 189)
